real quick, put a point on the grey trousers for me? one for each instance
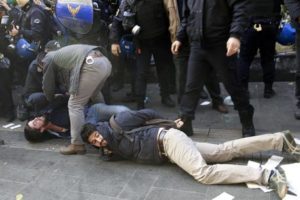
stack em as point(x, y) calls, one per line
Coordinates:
point(92, 79)
point(193, 157)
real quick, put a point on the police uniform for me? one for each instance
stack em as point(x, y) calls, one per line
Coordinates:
point(34, 25)
point(260, 34)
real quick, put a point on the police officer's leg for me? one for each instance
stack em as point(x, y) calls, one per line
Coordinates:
point(297, 78)
point(198, 69)
point(267, 52)
point(226, 68)
point(213, 88)
point(6, 93)
point(181, 64)
point(142, 64)
point(249, 46)
point(164, 63)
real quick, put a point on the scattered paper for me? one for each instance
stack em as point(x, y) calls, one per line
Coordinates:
point(224, 196)
point(205, 103)
point(16, 126)
point(290, 197)
point(297, 141)
point(292, 174)
point(8, 125)
point(273, 162)
point(19, 197)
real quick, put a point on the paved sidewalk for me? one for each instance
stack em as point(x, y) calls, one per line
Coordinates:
point(39, 172)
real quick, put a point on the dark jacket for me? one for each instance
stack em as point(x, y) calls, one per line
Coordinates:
point(212, 21)
point(34, 79)
point(144, 146)
point(150, 15)
point(294, 9)
point(35, 24)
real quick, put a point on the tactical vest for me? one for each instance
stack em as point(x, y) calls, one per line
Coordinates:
point(151, 17)
point(263, 8)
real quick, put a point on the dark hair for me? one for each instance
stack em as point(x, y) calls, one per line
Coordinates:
point(87, 130)
point(33, 135)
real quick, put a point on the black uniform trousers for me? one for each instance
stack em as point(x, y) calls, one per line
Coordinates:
point(181, 64)
point(263, 40)
point(297, 90)
point(160, 49)
point(202, 62)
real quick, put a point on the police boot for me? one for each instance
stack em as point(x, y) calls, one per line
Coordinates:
point(269, 92)
point(187, 126)
point(246, 118)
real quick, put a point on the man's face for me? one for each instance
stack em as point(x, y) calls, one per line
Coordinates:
point(37, 123)
point(97, 140)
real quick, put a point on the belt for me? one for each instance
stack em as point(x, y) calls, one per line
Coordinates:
point(93, 54)
point(160, 142)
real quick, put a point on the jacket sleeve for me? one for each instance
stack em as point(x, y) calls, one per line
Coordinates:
point(294, 8)
point(117, 30)
point(37, 21)
point(181, 33)
point(239, 18)
point(49, 82)
point(172, 11)
point(129, 120)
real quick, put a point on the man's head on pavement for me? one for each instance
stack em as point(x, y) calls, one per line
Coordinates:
point(90, 135)
point(35, 128)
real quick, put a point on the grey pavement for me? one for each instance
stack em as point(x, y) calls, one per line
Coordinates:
point(39, 172)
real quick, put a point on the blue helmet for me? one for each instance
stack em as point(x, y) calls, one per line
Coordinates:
point(127, 45)
point(287, 35)
point(26, 50)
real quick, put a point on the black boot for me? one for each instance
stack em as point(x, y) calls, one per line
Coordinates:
point(187, 127)
point(269, 92)
point(246, 118)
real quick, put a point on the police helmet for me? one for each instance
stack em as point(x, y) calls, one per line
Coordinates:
point(127, 45)
point(287, 35)
point(25, 49)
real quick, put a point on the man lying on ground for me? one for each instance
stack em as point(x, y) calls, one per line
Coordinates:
point(127, 137)
point(56, 124)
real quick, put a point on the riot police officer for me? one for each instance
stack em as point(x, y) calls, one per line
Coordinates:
point(264, 18)
point(34, 26)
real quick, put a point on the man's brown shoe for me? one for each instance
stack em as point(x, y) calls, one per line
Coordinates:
point(73, 149)
point(290, 146)
point(220, 108)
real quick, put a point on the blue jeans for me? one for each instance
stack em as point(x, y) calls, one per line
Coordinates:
point(102, 112)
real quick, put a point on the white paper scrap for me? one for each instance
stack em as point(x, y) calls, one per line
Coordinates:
point(273, 162)
point(8, 125)
point(224, 196)
point(297, 141)
point(290, 197)
point(16, 126)
point(292, 174)
point(205, 103)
